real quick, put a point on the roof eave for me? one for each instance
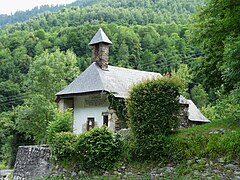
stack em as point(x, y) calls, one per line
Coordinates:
point(70, 95)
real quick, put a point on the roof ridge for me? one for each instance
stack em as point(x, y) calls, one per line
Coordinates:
point(100, 72)
point(136, 70)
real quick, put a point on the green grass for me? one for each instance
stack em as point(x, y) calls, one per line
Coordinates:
point(3, 165)
point(206, 128)
point(207, 141)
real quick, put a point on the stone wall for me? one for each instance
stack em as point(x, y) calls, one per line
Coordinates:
point(32, 162)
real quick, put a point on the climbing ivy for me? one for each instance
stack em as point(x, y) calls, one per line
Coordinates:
point(118, 104)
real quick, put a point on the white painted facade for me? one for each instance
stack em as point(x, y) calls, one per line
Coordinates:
point(89, 106)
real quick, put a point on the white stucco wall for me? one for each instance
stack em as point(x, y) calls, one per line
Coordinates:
point(88, 106)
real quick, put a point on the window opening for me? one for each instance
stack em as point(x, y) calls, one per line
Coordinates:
point(105, 120)
point(90, 123)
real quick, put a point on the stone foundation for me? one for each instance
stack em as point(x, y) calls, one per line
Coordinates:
point(32, 162)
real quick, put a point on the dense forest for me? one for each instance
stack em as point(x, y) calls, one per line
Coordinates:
point(40, 56)
point(21, 16)
point(122, 12)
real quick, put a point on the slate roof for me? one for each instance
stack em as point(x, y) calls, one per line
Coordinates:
point(118, 80)
point(99, 37)
point(115, 80)
point(193, 112)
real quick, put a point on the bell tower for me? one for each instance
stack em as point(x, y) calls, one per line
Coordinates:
point(100, 43)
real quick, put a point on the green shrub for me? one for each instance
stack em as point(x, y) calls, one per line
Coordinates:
point(153, 111)
point(99, 149)
point(153, 107)
point(227, 108)
point(63, 148)
point(62, 122)
point(128, 143)
point(94, 151)
point(154, 148)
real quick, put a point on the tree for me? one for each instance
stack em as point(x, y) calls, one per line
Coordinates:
point(50, 72)
point(231, 64)
point(123, 55)
point(34, 116)
point(216, 29)
point(9, 95)
point(6, 128)
point(185, 77)
point(199, 96)
point(148, 61)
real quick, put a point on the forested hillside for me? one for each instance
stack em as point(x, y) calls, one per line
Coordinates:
point(136, 11)
point(42, 55)
point(21, 16)
point(142, 38)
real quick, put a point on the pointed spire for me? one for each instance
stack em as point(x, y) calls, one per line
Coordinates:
point(100, 37)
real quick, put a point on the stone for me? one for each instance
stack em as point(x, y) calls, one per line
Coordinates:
point(198, 160)
point(5, 173)
point(169, 169)
point(230, 166)
point(221, 160)
point(196, 172)
point(32, 162)
point(222, 130)
point(123, 167)
point(73, 174)
point(210, 163)
point(129, 173)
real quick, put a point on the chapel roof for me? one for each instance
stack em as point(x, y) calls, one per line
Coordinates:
point(115, 80)
point(193, 112)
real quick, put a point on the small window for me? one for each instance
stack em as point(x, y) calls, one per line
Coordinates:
point(105, 120)
point(90, 123)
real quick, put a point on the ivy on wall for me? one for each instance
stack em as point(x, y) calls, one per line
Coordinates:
point(119, 105)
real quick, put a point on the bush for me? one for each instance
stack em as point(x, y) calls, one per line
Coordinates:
point(227, 108)
point(154, 148)
point(153, 110)
point(100, 149)
point(153, 107)
point(62, 122)
point(94, 151)
point(63, 148)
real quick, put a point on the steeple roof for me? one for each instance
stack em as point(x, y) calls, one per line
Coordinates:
point(100, 37)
